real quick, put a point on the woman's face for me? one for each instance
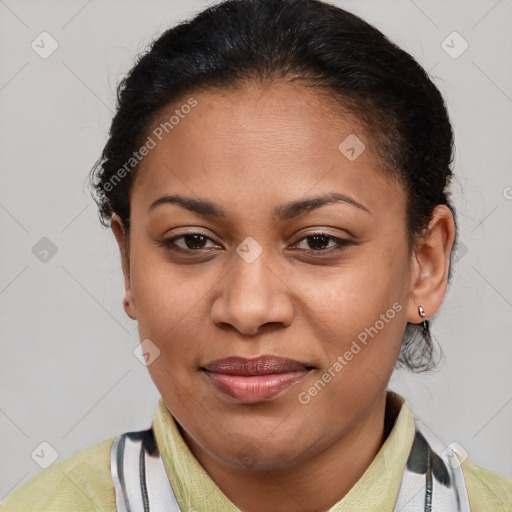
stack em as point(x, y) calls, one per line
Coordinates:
point(256, 281)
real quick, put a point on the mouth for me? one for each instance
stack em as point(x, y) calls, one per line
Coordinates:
point(250, 381)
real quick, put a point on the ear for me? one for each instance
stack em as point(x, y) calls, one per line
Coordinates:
point(430, 265)
point(122, 239)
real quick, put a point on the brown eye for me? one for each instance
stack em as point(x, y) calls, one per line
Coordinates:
point(319, 242)
point(194, 241)
point(188, 242)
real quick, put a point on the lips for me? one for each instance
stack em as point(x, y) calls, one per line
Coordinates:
point(255, 380)
point(264, 365)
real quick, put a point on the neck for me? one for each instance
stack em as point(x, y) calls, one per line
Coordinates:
point(315, 484)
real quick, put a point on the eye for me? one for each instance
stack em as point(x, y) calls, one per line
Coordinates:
point(197, 242)
point(190, 242)
point(319, 240)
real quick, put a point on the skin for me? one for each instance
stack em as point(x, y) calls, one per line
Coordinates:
point(251, 150)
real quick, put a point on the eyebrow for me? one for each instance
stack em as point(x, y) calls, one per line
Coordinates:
point(283, 212)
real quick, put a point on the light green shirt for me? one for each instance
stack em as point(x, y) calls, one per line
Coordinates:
point(83, 482)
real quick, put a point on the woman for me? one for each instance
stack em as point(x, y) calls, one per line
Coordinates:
point(276, 178)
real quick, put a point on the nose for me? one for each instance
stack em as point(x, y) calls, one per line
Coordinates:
point(253, 295)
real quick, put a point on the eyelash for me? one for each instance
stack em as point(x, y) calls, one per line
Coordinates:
point(342, 243)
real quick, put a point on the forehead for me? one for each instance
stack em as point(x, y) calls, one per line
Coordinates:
point(277, 142)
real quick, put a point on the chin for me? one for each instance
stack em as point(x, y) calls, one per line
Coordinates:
point(262, 454)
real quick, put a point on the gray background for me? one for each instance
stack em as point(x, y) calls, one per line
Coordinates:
point(68, 375)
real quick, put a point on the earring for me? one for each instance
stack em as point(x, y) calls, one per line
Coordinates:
point(425, 323)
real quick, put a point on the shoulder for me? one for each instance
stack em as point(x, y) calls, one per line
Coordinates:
point(487, 490)
point(81, 482)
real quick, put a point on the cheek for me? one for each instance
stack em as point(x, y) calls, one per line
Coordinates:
point(162, 295)
point(353, 295)
point(172, 312)
point(359, 315)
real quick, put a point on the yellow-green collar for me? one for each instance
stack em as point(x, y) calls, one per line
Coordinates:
point(375, 491)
